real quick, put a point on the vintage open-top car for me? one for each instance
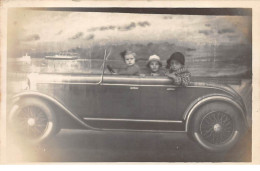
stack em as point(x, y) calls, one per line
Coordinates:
point(213, 115)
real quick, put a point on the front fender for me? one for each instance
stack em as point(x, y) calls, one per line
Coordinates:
point(51, 100)
point(209, 98)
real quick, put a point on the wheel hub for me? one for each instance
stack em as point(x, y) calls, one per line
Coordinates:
point(31, 121)
point(217, 127)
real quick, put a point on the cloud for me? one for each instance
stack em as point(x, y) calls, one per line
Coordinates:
point(143, 24)
point(93, 29)
point(232, 37)
point(77, 36)
point(128, 27)
point(107, 28)
point(167, 17)
point(112, 27)
point(190, 49)
point(89, 37)
point(133, 25)
point(102, 28)
point(32, 37)
point(206, 32)
point(226, 30)
point(58, 33)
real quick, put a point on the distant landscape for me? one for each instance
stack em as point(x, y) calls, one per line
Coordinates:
point(214, 46)
point(235, 63)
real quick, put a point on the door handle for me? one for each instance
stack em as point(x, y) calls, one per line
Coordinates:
point(134, 88)
point(170, 89)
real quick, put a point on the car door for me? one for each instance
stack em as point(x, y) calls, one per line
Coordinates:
point(158, 99)
point(159, 104)
point(117, 103)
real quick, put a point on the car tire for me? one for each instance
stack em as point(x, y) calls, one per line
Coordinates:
point(33, 120)
point(217, 126)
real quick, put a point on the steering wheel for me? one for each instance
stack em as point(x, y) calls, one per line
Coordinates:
point(110, 69)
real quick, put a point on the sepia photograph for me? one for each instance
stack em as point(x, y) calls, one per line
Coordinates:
point(128, 84)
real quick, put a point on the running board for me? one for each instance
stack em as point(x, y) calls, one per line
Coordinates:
point(136, 124)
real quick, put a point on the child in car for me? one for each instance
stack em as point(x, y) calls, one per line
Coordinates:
point(131, 67)
point(176, 71)
point(154, 64)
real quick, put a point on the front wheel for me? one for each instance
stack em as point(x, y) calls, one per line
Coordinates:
point(217, 126)
point(32, 119)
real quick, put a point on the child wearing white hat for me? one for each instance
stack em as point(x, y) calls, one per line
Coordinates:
point(154, 64)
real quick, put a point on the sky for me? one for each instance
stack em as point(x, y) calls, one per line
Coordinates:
point(32, 27)
point(199, 37)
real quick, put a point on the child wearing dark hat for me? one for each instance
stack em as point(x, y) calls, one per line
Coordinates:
point(176, 71)
point(131, 67)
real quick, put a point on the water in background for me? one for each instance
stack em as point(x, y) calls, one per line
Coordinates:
point(94, 66)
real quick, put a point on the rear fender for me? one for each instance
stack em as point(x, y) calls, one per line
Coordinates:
point(209, 98)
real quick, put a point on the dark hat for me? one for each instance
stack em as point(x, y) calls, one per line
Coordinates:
point(178, 56)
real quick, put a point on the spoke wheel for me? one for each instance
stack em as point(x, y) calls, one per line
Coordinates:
point(216, 126)
point(33, 120)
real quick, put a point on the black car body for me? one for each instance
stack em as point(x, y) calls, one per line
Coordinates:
point(213, 115)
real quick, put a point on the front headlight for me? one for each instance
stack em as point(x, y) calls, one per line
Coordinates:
point(32, 80)
point(26, 85)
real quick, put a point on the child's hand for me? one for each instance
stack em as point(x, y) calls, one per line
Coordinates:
point(171, 75)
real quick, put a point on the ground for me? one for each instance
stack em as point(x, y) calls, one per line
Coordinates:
point(118, 146)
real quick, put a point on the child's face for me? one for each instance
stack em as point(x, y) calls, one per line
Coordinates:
point(129, 60)
point(154, 66)
point(175, 65)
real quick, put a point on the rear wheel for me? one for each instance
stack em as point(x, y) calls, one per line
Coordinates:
point(217, 126)
point(33, 119)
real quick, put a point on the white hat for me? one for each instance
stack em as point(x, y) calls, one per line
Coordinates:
point(154, 58)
